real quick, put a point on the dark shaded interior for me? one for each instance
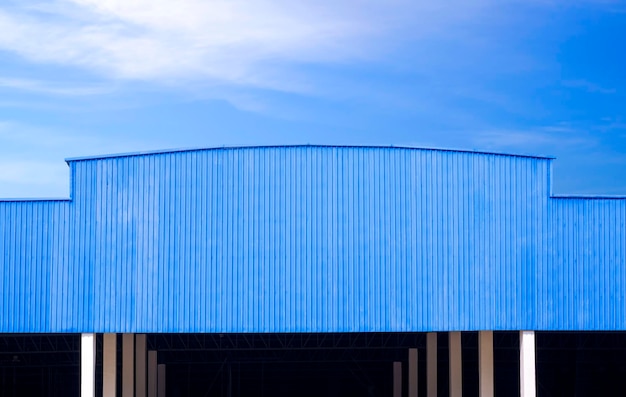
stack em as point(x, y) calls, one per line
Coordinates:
point(39, 365)
point(333, 364)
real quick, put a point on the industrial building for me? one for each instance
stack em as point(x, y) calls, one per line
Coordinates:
point(312, 270)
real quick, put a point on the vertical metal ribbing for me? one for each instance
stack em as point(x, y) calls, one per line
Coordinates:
point(585, 233)
point(312, 239)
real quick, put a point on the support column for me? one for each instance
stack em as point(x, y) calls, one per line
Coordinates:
point(161, 380)
point(527, 371)
point(397, 379)
point(485, 364)
point(456, 364)
point(128, 365)
point(87, 365)
point(431, 364)
point(412, 372)
point(152, 373)
point(140, 365)
point(109, 365)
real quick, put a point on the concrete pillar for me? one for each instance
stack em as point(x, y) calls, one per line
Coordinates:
point(527, 372)
point(141, 352)
point(397, 379)
point(431, 364)
point(152, 373)
point(109, 365)
point(456, 364)
point(412, 372)
point(485, 364)
point(128, 365)
point(161, 380)
point(87, 365)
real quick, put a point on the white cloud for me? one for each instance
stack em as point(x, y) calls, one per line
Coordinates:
point(44, 87)
point(588, 86)
point(36, 179)
point(54, 144)
point(46, 173)
point(244, 42)
point(557, 137)
point(31, 156)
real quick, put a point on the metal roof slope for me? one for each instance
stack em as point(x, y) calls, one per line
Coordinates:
point(178, 150)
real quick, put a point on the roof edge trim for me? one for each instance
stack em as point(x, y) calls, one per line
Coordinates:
point(590, 197)
point(197, 149)
point(20, 199)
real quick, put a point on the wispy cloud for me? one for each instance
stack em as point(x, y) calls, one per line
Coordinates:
point(555, 136)
point(37, 176)
point(54, 88)
point(588, 86)
point(31, 161)
point(244, 42)
point(37, 173)
point(19, 135)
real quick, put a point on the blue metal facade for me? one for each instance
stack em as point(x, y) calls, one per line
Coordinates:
point(312, 239)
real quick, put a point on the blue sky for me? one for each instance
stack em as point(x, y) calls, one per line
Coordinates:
point(83, 77)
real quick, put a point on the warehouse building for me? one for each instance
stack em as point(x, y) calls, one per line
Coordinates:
point(312, 270)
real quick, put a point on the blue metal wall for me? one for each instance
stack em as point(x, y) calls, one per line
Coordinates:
point(283, 239)
point(33, 246)
point(583, 283)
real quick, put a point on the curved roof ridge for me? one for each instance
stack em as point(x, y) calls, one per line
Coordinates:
point(199, 149)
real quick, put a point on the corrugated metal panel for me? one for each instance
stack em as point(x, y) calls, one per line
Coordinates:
point(584, 284)
point(310, 239)
point(33, 237)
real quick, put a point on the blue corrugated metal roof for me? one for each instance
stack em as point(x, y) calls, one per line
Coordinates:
point(311, 239)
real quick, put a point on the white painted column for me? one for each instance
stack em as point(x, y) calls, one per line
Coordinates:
point(109, 365)
point(128, 365)
point(161, 380)
point(527, 371)
point(397, 379)
point(485, 364)
point(412, 372)
point(431, 364)
point(456, 364)
point(87, 365)
point(152, 373)
point(141, 352)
